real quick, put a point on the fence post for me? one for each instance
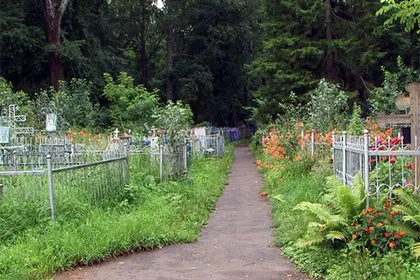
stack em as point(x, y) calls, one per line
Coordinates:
point(185, 154)
point(161, 162)
point(312, 142)
point(333, 150)
point(50, 185)
point(366, 166)
point(416, 168)
point(302, 140)
point(344, 158)
point(1, 191)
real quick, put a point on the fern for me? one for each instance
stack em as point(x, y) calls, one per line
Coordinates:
point(345, 201)
point(336, 235)
point(416, 249)
point(329, 220)
point(410, 207)
point(321, 212)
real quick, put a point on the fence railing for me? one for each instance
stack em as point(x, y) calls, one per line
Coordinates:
point(383, 164)
point(49, 180)
point(89, 183)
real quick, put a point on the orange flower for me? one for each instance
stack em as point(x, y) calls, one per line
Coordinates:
point(373, 241)
point(364, 212)
point(379, 224)
point(391, 244)
point(297, 158)
point(354, 236)
point(402, 233)
point(371, 229)
point(392, 212)
point(299, 124)
point(397, 235)
point(387, 234)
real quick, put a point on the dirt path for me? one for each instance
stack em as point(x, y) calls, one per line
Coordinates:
point(235, 245)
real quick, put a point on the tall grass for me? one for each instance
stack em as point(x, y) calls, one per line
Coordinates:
point(151, 215)
point(291, 182)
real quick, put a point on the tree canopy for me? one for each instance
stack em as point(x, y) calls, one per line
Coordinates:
point(221, 57)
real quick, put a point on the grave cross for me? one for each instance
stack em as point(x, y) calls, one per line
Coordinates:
point(116, 131)
point(12, 118)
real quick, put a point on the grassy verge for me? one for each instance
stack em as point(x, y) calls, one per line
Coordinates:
point(153, 215)
point(289, 183)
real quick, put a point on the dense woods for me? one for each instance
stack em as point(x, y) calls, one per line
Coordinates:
point(219, 56)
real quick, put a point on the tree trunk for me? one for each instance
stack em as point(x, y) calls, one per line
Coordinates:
point(144, 60)
point(144, 65)
point(56, 66)
point(169, 53)
point(53, 13)
point(330, 55)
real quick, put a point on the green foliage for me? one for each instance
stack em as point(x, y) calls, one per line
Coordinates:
point(174, 119)
point(407, 12)
point(131, 106)
point(329, 221)
point(170, 212)
point(383, 98)
point(356, 125)
point(360, 265)
point(77, 92)
point(327, 106)
point(19, 98)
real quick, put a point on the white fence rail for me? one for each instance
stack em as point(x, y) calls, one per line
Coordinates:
point(384, 164)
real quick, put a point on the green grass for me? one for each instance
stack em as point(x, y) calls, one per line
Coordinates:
point(152, 215)
point(298, 181)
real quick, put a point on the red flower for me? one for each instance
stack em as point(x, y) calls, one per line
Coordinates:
point(392, 160)
point(397, 235)
point(387, 234)
point(409, 165)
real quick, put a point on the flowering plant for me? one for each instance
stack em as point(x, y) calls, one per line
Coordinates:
point(390, 170)
point(374, 230)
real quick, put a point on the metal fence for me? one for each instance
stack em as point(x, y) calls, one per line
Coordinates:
point(207, 145)
point(383, 164)
point(91, 183)
point(62, 172)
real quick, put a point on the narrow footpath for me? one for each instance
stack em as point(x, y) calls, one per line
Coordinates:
point(237, 244)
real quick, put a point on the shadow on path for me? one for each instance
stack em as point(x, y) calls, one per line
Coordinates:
point(235, 245)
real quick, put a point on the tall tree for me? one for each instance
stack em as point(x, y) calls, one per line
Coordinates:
point(211, 50)
point(138, 29)
point(330, 58)
point(53, 12)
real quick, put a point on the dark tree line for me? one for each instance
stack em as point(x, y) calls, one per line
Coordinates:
point(211, 54)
